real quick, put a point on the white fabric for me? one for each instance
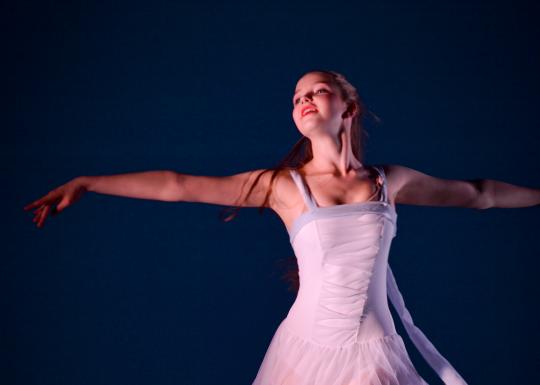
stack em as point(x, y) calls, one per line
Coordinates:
point(339, 330)
point(444, 369)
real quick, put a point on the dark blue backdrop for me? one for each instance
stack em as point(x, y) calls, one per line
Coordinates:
point(126, 291)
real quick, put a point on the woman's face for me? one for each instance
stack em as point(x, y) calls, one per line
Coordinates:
point(315, 91)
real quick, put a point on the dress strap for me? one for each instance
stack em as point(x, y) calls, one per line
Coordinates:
point(384, 195)
point(438, 363)
point(299, 181)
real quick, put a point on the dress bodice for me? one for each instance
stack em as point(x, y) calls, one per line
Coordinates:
point(342, 253)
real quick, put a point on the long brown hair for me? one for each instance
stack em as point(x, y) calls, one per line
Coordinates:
point(301, 153)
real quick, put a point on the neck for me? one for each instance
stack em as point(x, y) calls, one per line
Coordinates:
point(332, 155)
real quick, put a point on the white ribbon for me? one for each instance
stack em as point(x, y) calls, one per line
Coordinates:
point(444, 369)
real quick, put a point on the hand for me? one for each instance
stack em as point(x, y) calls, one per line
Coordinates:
point(62, 196)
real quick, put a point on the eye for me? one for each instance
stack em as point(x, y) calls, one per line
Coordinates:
point(322, 89)
point(318, 91)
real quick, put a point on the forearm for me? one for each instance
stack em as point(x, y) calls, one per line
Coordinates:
point(157, 185)
point(505, 195)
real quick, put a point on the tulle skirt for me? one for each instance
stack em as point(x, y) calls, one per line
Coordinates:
point(291, 360)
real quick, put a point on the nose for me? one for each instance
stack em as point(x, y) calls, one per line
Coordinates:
point(304, 98)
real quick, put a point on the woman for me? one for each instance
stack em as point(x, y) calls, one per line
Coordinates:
point(341, 218)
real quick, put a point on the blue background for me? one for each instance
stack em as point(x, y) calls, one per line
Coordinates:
point(128, 291)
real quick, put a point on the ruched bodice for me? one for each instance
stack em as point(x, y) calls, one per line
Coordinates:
point(342, 253)
point(339, 330)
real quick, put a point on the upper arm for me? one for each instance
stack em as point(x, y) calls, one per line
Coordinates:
point(224, 190)
point(413, 187)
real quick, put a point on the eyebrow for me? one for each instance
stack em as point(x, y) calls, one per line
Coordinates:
point(297, 91)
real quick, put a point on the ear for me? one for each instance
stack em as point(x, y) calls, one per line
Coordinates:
point(350, 111)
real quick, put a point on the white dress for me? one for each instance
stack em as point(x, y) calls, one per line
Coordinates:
point(339, 330)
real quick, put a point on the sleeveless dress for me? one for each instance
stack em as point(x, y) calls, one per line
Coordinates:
point(339, 330)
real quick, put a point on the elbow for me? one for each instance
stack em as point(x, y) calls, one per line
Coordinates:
point(484, 194)
point(173, 190)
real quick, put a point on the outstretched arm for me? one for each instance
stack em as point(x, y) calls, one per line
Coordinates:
point(413, 187)
point(158, 185)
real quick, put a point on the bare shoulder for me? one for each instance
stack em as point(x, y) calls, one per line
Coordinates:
point(409, 186)
point(286, 200)
point(396, 177)
point(285, 194)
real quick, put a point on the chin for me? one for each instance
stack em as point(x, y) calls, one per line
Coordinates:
point(313, 129)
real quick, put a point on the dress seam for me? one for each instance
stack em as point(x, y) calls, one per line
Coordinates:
point(321, 281)
point(365, 342)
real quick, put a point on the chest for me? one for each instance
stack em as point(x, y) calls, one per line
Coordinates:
point(327, 193)
point(330, 191)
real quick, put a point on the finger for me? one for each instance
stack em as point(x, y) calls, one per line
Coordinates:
point(30, 206)
point(39, 221)
point(45, 213)
point(37, 218)
point(37, 214)
point(43, 216)
point(35, 203)
point(61, 205)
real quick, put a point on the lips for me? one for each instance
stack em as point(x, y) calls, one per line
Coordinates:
point(307, 108)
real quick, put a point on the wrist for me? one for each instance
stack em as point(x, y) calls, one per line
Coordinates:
point(85, 182)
